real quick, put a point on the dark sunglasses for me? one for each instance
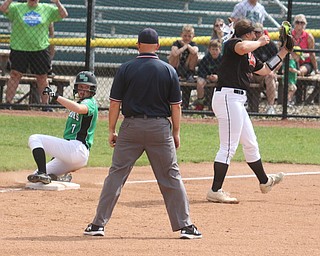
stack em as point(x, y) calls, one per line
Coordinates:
point(300, 22)
point(258, 32)
point(218, 25)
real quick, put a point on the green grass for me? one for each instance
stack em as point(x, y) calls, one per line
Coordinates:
point(199, 143)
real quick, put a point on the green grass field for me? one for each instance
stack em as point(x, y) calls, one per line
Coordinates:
point(199, 143)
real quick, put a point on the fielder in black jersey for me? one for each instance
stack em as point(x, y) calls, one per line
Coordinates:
point(238, 64)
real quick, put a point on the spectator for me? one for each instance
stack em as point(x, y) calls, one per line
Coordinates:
point(295, 57)
point(184, 58)
point(29, 41)
point(52, 50)
point(51, 35)
point(264, 53)
point(306, 41)
point(207, 73)
point(217, 32)
point(249, 9)
point(71, 152)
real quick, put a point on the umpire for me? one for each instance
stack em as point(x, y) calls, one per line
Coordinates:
point(148, 92)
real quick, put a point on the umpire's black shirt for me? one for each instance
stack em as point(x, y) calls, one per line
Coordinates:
point(147, 86)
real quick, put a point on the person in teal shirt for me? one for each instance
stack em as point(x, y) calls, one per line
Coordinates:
point(29, 41)
point(72, 152)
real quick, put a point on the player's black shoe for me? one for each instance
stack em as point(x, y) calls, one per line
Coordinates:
point(190, 232)
point(39, 177)
point(94, 230)
point(65, 177)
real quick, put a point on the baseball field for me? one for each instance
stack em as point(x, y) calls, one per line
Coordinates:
point(284, 222)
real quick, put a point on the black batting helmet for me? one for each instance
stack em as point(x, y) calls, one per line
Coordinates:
point(86, 77)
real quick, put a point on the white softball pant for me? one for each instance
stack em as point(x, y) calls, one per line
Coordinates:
point(234, 125)
point(68, 155)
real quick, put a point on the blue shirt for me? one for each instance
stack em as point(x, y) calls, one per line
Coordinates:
point(208, 65)
point(146, 85)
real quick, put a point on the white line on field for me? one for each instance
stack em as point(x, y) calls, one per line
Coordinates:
point(2, 190)
point(227, 177)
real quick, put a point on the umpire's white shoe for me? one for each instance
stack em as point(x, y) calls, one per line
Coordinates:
point(273, 179)
point(221, 197)
point(94, 230)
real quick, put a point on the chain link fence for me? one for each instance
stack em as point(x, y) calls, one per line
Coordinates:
point(112, 27)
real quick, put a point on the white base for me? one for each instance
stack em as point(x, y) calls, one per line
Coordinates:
point(53, 186)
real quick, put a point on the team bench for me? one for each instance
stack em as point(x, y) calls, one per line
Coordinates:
point(253, 93)
point(303, 82)
point(59, 81)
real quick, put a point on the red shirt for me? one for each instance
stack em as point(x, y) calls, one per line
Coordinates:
point(302, 41)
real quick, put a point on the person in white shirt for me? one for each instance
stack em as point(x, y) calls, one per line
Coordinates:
point(249, 9)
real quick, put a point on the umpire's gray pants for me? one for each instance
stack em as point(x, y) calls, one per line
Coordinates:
point(154, 136)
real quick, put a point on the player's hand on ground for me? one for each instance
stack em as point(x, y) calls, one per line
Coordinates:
point(112, 139)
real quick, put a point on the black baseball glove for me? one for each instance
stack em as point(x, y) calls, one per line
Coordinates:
point(48, 91)
point(285, 36)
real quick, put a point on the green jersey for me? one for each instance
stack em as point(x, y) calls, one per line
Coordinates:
point(81, 127)
point(30, 25)
point(292, 77)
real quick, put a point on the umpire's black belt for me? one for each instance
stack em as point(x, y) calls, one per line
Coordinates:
point(237, 91)
point(146, 117)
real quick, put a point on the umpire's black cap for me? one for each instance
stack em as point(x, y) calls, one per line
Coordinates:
point(148, 36)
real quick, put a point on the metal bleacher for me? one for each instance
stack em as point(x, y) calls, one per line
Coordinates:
point(125, 18)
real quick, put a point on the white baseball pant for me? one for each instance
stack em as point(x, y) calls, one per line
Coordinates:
point(234, 125)
point(69, 155)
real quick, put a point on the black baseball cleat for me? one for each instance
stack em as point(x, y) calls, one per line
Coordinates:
point(64, 178)
point(39, 177)
point(94, 230)
point(190, 232)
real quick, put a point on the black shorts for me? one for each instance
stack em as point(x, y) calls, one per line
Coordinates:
point(37, 62)
point(308, 66)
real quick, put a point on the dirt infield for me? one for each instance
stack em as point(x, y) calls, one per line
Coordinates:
point(283, 222)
